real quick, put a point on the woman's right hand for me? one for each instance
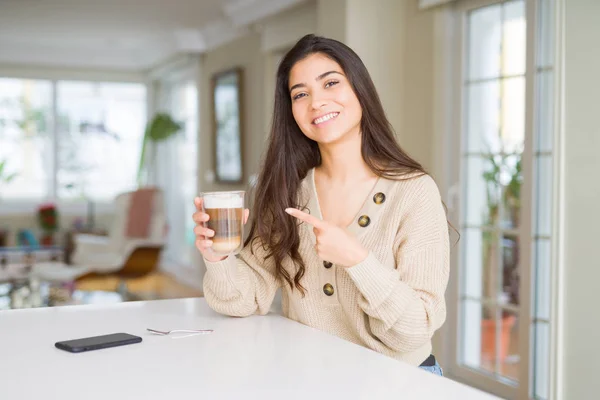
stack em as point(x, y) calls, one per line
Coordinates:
point(203, 234)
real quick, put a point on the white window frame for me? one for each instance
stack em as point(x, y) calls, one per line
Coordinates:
point(449, 114)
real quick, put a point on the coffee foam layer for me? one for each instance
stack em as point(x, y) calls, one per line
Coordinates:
point(223, 202)
point(226, 246)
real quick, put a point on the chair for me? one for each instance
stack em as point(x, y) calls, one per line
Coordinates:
point(134, 243)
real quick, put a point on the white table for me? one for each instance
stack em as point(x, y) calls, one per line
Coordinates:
point(260, 357)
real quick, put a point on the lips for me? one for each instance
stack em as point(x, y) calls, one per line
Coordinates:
point(325, 118)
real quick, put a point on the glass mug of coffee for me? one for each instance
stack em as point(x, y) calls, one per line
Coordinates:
point(226, 212)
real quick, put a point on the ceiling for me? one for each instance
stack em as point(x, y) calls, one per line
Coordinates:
point(121, 34)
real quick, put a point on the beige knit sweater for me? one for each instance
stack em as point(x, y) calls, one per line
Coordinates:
point(392, 302)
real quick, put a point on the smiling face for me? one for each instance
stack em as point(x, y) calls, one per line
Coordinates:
point(324, 104)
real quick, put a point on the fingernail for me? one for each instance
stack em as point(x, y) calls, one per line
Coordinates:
point(289, 210)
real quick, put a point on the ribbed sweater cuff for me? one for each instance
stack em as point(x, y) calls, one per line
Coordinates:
point(223, 271)
point(376, 282)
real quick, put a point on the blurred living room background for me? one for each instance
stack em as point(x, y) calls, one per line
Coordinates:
point(115, 114)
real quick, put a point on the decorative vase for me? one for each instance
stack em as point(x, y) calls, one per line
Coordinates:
point(47, 239)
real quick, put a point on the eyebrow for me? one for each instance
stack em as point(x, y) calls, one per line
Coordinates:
point(318, 78)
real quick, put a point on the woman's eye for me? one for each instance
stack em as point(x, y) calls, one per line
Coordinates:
point(298, 96)
point(331, 83)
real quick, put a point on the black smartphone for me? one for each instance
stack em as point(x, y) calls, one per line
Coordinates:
point(97, 342)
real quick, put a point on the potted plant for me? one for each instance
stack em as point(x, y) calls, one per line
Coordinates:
point(160, 128)
point(503, 184)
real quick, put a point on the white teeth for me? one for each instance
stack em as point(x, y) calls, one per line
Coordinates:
point(325, 118)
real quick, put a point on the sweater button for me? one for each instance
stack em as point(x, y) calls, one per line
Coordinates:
point(364, 221)
point(327, 264)
point(328, 289)
point(379, 198)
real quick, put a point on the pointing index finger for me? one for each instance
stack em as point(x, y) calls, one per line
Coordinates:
point(302, 216)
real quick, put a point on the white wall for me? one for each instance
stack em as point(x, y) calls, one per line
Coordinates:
point(283, 30)
point(278, 35)
point(581, 190)
point(377, 33)
point(332, 19)
point(395, 41)
point(245, 53)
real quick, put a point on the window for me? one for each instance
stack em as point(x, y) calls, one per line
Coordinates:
point(543, 172)
point(100, 131)
point(176, 166)
point(494, 87)
point(26, 137)
point(85, 144)
point(505, 77)
point(185, 109)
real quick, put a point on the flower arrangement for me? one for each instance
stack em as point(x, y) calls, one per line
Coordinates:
point(48, 220)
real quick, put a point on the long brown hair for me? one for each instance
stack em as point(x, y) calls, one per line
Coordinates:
point(290, 154)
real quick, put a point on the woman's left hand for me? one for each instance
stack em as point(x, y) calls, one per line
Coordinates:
point(334, 244)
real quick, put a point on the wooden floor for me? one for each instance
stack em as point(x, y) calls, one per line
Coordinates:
point(156, 285)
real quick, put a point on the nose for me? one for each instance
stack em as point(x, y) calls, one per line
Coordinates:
point(318, 103)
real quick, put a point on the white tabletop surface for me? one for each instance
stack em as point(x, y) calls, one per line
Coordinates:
point(259, 357)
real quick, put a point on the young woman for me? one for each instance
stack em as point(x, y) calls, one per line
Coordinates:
point(350, 227)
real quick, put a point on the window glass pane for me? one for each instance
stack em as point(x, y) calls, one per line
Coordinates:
point(510, 269)
point(545, 115)
point(543, 276)
point(189, 152)
point(510, 181)
point(541, 360)
point(100, 128)
point(513, 114)
point(480, 259)
point(485, 34)
point(543, 209)
point(513, 43)
point(184, 108)
point(478, 349)
point(545, 42)
point(490, 180)
point(508, 345)
point(543, 197)
point(482, 193)
point(483, 117)
point(25, 138)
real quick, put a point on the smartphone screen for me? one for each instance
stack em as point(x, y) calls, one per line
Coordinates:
point(97, 342)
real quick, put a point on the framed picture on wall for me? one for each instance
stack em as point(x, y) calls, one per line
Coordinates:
point(227, 126)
